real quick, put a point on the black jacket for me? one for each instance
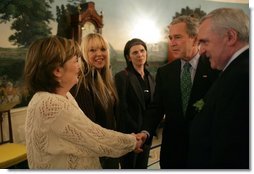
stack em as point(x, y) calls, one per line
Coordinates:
point(131, 101)
point(168, 104)
point(219, 135)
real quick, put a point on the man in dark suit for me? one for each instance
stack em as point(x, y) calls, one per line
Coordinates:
point(168, 97)
point(219, 135)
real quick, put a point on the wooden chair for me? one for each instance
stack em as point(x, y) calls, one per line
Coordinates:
point(11, 153)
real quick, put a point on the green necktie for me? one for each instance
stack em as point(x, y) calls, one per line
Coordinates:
point(186, 85)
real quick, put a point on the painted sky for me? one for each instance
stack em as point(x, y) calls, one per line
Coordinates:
point(124, 17)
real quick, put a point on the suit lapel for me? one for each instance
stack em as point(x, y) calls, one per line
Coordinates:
point(138, 90)
point(172, 82)
point(151, 85)
point(200, 76)
point(199, 84)
point(176, 78)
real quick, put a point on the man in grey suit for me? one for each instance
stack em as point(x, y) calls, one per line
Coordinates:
point(219, 135)
point(169, 95)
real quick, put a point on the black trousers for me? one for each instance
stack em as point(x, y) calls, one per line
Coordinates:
point(109, 163)
point(136, 161)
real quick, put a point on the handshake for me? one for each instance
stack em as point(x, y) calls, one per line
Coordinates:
point(141, 138)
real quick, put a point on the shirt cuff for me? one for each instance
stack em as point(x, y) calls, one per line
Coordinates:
point(146, 132)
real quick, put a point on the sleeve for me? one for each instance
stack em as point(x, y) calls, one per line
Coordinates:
point(123, 117)
point(76, 134)
point(230, 130)
point(154, 112)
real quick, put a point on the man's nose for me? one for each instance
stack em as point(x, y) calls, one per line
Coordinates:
point(172, 42)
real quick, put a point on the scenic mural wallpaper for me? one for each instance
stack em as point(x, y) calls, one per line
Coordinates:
point(22, 22)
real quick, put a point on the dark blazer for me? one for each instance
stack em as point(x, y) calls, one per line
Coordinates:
point(93, 109)
point(131, 101)
point(132, 106)
point(168, 103)
point(219, 135)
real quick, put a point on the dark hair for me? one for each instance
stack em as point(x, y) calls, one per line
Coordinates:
point(128, 46)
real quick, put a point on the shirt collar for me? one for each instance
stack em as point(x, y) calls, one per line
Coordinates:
point(193, 61)
point(132, 69)
point(237, 53)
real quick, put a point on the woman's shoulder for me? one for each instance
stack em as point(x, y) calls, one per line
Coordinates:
point(50, 102)
point(121, 75)
point(123, 72)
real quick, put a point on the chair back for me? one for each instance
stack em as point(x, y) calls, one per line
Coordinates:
point(4, 136)
point(12, 155)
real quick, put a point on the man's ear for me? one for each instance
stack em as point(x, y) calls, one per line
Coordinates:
point(232, 36)
point(58, 72)
point(195, 40)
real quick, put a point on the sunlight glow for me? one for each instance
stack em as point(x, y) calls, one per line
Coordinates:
point(145, 29)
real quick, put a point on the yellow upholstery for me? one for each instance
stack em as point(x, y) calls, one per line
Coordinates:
point(11, 154)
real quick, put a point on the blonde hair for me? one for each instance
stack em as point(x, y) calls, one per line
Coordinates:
point(101, 82)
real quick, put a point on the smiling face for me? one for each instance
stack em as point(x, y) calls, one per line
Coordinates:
point(68, 73)
point(97, 56)
point(96, 51)
point(52, 65)
point(181, 44)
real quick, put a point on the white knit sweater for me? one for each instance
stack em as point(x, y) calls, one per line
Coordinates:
point(60, 136)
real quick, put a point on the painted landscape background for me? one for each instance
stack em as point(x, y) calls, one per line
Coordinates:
point(123, 20)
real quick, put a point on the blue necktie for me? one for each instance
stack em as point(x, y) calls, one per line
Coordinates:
point(186, 85)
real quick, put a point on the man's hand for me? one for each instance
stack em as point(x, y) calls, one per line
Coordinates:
point(142, 136)
point(139, 145)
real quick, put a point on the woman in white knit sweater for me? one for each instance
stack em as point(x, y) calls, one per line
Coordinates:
point(58, 135)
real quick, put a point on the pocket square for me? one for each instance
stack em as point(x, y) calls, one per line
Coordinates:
point(205, 76)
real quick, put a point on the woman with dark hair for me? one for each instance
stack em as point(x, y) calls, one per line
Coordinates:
point(135, 87)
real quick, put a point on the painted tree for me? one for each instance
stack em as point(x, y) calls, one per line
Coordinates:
point(29, 19)
point(197, 12)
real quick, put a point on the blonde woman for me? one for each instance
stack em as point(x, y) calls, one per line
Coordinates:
point(96, 94)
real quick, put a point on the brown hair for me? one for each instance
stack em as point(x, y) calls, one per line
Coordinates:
point(191, 24)
point(43, 57)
